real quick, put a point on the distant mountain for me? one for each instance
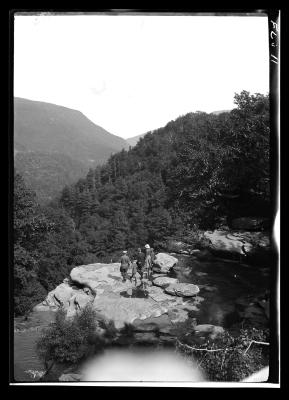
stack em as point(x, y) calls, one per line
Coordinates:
point(133, 140)
point(49, 128)
point(220, 112)
point(55, 145)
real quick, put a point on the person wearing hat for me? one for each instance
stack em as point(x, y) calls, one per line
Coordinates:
point(125, 263)
point(149, 258)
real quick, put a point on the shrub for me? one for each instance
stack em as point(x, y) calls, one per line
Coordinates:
point(231, 362)
point(69, 340)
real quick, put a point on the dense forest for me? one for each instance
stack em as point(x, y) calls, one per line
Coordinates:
point(188, 175)
point(48, 173)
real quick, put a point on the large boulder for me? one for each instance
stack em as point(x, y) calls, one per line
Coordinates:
point(242, 243)
point(228, 242)
point(164, 281)
point(182, 289)
point(60, 296)
point(99, 277)
point(164, 262)
point(167, 300)
point(66, 296)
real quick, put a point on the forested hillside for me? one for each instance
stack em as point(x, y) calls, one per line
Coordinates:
point(188, 175)
point(45, 127)
point(191, 173)
point(48, 173)
point(55, 145)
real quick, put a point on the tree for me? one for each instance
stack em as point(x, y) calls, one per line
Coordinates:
point(27, 289)
point(69, 340)
point(29, 227)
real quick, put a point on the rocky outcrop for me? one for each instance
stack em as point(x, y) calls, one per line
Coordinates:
point(242, 243)
point(164, 281)
point(71, 299)
point(60, 296)
point(101, 286)
point(182, 289)
point(164, 262)
point(125, 310)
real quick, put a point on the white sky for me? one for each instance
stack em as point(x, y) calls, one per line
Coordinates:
point(132, 74)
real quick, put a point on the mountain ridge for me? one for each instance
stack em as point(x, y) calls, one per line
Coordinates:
point(55, 145)
point(42, 126)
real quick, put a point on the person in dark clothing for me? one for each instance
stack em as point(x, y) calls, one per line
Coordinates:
point(140, 262)
point(125, 263)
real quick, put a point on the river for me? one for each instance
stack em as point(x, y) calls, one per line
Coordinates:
point(223, 283)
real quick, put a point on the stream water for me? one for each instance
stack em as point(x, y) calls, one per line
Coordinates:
point(222, 283)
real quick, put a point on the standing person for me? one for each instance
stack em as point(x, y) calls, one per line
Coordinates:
point(149, 258)
point(133, 272)
point(125, 263)
point(140, 262)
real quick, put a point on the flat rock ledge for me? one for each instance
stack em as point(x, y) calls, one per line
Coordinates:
point(182, 289)
point(101, 286)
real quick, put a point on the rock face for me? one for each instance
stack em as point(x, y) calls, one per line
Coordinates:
point(67, 297)
point(101, 286)
point(237, 242)
point(164, 281)
point(164, 262)
point(59, 296)
point(182, 289)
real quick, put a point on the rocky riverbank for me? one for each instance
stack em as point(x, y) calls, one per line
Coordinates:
point(165, 302)
point(254, 247)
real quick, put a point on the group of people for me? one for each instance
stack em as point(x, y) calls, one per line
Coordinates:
point(142, 263)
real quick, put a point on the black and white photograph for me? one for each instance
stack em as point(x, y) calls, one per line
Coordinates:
point(145, 204)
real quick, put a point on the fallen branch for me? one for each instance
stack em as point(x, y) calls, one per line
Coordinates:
point(195, 349)
point(254, 341)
